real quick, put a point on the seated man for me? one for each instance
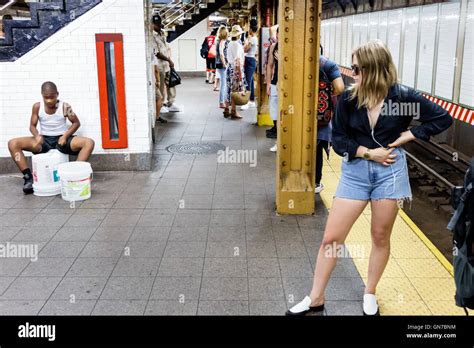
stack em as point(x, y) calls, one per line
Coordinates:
point(51, 114)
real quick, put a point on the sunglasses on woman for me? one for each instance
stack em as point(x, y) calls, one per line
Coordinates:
point(356, 69)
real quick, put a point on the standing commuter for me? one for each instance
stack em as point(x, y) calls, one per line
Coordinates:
point(272, 89)
point(250, 66)
point(330, 85)
point(374, 169)
point(235, 71)
point(221, 64)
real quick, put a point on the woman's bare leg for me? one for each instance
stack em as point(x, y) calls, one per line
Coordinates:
point(384, 212)
point(342, 215)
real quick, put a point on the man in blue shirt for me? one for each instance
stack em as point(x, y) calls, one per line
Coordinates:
point(329, 69)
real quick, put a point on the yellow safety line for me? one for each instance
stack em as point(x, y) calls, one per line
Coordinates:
point(434, 250)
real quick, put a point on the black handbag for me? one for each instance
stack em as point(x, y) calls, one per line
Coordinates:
point(175, 79)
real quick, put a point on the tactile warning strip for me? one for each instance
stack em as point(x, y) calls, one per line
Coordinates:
point(418, 279)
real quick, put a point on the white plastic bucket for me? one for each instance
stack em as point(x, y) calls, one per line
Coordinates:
point(75, 178)
point(45, 173)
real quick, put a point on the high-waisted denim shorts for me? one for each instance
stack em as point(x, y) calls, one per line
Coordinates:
point(369, 180)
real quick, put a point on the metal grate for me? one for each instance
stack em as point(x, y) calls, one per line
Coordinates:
point(195, 148)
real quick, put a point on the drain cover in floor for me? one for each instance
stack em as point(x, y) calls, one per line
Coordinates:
point(195, 148)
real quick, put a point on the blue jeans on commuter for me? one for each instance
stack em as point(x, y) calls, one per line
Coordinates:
point(223, 86)
point(249, 70)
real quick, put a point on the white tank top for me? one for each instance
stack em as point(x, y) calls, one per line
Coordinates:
point(52, 125)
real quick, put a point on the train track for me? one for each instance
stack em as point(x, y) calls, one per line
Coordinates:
point(434, 169)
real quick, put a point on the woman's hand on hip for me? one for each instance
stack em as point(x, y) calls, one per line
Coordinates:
point(404, 138)
point(383, 156)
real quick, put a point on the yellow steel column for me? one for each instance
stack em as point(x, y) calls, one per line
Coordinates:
point(297, 81)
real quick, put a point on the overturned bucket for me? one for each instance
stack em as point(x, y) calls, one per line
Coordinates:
point(45, 173)
point(75, 178)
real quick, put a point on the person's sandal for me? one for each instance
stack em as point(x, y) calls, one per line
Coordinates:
point(227, 114)
point(234, 115)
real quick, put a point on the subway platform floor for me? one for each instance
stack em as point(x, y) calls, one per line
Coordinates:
point(191, 237)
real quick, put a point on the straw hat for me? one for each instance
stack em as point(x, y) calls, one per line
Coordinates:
point(236, 31)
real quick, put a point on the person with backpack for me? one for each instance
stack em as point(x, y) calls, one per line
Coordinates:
point(210, 55)
point(463, 240)
point(369, 135)
point(330, 86)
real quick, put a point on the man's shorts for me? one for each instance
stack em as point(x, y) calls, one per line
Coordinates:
point(50, 142)
point(211, 64)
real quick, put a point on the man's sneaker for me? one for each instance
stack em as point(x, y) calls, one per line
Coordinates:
point(28, 184)
point(318, 188)
point(164, 110)
point(174, 108)
point(252, 104)
point(274, 148)
point(244, 107)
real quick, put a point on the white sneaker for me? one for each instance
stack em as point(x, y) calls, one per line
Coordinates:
point(164, 110)
point(252, 104)
point(370, 306)
point(274, 148)
point(245, 107)
point(319, 188)
point(174, 108)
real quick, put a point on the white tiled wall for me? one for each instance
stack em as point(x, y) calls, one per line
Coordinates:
point(197, 34)
point(68, 58)
point(423, 41)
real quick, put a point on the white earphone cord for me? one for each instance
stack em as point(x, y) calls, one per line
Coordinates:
point(373, 137)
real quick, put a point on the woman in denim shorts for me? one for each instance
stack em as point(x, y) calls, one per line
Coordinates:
point(370, 124)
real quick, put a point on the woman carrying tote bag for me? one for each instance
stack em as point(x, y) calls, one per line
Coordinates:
point(236, 91)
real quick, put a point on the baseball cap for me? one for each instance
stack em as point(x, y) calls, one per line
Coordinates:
point(156, 19)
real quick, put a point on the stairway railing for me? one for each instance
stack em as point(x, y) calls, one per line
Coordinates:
point(168, 7)
point(182, 15)
point(7, 5)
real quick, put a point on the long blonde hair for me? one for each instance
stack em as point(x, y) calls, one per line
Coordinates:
point(379, 73)
point(223, 33)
